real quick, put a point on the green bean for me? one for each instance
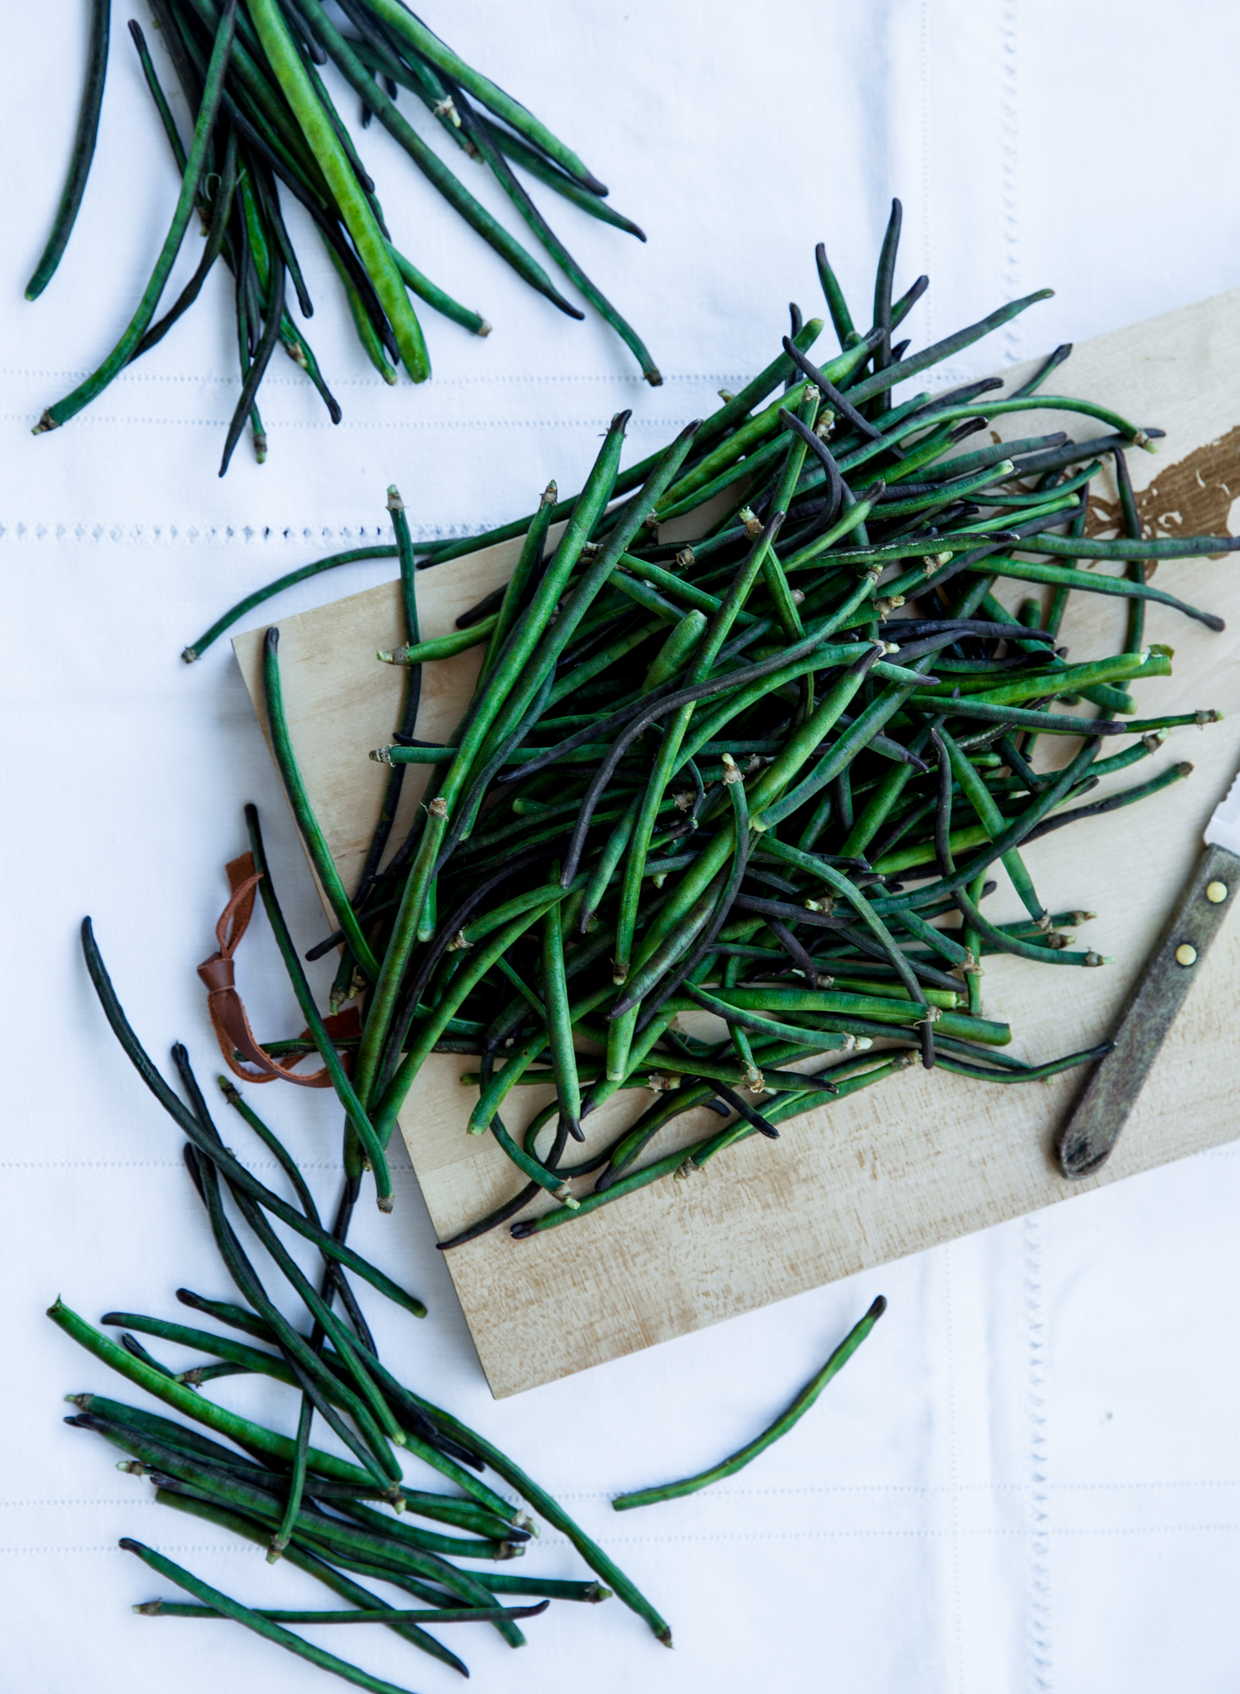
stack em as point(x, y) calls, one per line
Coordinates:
point(556, 636)
point(676, 652)
point(1022, 949)
point(1113, 802)
point(826, 1004)
point(83, 150)
point(1089, 582)
point(538, 165)
point(316, 844)
point(233, 1483)
point(772, 570)
point(942, 943)
point(406, 1535)
point(85, 392)
point(840, 316)
point(247, 1358)
point(992, 820)
point(674, 1162)
point(665, 956)
point(411, 696)
point(1179, 720)
point(559, 1022)
point(1073, 679)
point(131, 1345)
point(642, 594)
point(769, 813)
point(250, 68)
point(750, 1020)
point(236, 1317)
point(290, 72)
point(358, 1119)
point(221, 208)
point(437, 297)
point(665, 762)
point(326, 1319)
point(636, 1139)
point(1012, 836)
point(500, 1582)
point(243, 1431)
point(186, 1442)
point(882, 297)
point(799, 748)
point(388, 1615)
point(484, 138)
point(519, 583)
point(426, 45)
point(157, 94)
point(1136, 569)
point(438, 647)
point(782, 1424)
point(221, 1603)
point(882, 380)
point(254, 371)
point(1175, 547)
point(355, 556)
point(367, 334)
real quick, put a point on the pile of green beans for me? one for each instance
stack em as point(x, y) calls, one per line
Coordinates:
point(325, 1514)
point(750, 775)
point(265, 121)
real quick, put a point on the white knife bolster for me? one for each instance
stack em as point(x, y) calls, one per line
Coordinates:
point(1223, 829)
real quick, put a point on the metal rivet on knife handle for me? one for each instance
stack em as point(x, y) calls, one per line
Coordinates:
point(1216, 893)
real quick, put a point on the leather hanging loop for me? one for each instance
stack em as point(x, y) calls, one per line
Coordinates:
point(243, 881)
point(228, 1014)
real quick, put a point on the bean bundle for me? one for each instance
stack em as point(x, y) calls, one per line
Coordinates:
point(265, 121)
point(315, 1508)
point(750, 775)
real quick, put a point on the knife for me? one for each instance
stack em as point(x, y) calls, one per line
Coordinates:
point(1086, 1139)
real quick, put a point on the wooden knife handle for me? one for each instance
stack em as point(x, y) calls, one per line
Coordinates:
point(1086, 1139)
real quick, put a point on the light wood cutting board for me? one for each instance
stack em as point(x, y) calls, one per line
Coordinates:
point(921, 1158)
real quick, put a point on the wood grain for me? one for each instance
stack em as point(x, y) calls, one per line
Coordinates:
point(924, 1157)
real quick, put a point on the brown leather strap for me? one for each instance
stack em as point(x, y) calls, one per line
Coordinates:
point(228, 1014)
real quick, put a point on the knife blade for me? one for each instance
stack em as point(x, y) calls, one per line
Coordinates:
point(1085, 1141)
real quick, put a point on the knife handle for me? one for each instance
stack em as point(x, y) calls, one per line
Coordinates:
point(1086, 1139)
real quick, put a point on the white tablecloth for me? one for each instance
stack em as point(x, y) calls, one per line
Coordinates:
point(1028, 1477)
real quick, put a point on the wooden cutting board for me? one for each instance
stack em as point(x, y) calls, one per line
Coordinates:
point(923, 1157)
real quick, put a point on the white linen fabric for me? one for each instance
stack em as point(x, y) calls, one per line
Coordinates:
point(1028, 1478)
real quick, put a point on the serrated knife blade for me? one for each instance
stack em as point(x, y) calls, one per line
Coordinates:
point(1093, 1127)
point(1223, 829)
